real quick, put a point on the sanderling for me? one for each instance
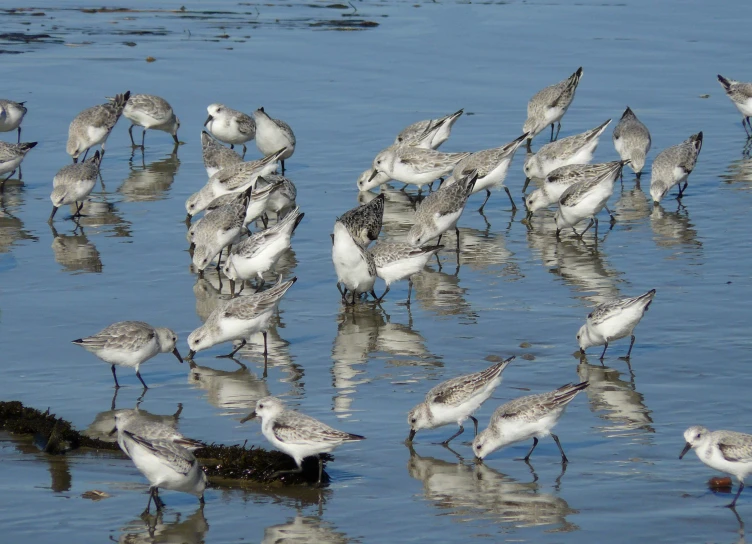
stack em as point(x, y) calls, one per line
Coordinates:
point(739, 93)
point(673, 165)
point(364, 222)
point(150, 429)
point(549, 105)
point(165, 464)
point(260, 196)
point(527, 417)
point(399, 260)
point(218, 229)
point(430, 133)
point(632, 141)
point(74, 183)
point(93, 125)
point(283, 196)
point(273, 134)
point(11, 156)
point(11, 116)
point(130, 343)
point(492, 166)
point(371, 178)
point(216, 156)
point(556, 182)
point(588, 197)
point(231, 126)
point(455, 400)
point(232, 179)
point(261, 251)
point(441, 210)
point(726, 451)
point(353, 263)
point(151, 112)
point(414, 165)
point(613, 320)
point(238, 319)
point(296, 434)
point(577, 149)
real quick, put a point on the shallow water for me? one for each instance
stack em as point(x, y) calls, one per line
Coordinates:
point(517, 291)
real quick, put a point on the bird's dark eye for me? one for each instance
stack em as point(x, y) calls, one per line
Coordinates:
point(698, 436)
point(378, 162)
point(413, 420)
point(261, 405)
point(478, 446)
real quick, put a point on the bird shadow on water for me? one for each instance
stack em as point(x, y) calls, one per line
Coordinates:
point(479, 492)
point(155, 528)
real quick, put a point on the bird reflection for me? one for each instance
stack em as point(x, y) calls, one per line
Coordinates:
point(441, 293)
point(104, 422)
point(739, 172)
point(104, 216)
point(308, 529)
point(234, 391)
point(57, 465)
point(632, 207)
point(672, 229)
point(616, 401)
point(12, 229)
point(401, 340)
point(74, 252)
point(210, 291)
point(357, 336)
point(155, 529)
point(481, 492)
point(147, 182)
point(582, 266)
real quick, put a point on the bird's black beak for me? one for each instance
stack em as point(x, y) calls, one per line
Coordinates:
point(175, 137)
point(478, 460)
point(176, 353)
point(54, 211)
point(411, 435)
point(375, 173)
point(191, 353)
point(687, 447)
point(207, 120)
point(250, 416)
point(113, 431)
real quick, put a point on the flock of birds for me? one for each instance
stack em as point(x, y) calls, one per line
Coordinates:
point(240, 192)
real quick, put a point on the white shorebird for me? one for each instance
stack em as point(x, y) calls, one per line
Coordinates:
point(273, 134)
point(587, 198)
point(353, 263)
point(414, 165)
point(430, 133)
point(613, 320)
point(441, 210)
point(533, 416)
point(149, 428)
point(296, 434)
point(259, 253)
point(93, 126)
point(492, 166)
point(556, 183)
point(74, 183)
point(131, 344)
point(230, 126)
point(455, 400)
point(152, 113)
point(282, 197)
point(238, 319)
point(725, 451)
point(165, 464)
point(218, 229)
point(549, 105)
point(215, 155)
point(632, 141)
point(235, 178)
point(364, 222)
point(673, 165)
point(11, 116)
point(371, 178)
point(11, 157)
point(396, 261)
point(740, 94)
point(576, 149)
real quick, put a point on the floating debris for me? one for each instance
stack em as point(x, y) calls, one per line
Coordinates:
point(150, 59)
point(95, 495)
point(224, 465)
point(720, 484)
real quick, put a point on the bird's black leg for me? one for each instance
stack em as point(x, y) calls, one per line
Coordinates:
point(733, 503)
point(630, 347)
point(514, 206)
point(117, 385)
point(488, 195)
point(455, 435)
point(564, 459)
point(142, 380)
point(130, 133)
point(233, 352)
point(475, 422)
point(535, 443)
point(604, 351)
